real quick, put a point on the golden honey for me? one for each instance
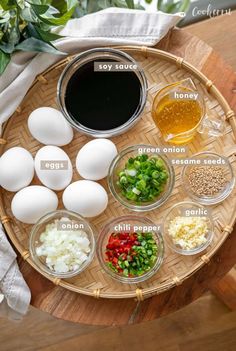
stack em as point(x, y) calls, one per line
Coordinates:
point(176, 117)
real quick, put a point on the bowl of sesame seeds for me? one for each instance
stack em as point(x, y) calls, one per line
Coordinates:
point(210, 180)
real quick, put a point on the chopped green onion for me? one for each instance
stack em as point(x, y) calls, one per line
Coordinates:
point(143, 178)
point(136, 191)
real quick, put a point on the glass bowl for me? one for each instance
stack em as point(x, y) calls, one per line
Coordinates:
point(228, 173)
point(64, 220)
point(133, 221)
point(100, 54)
point(118, 164)
point(179, 210)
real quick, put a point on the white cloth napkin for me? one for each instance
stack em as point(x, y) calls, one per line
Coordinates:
point(12, 284)
point(113, 26)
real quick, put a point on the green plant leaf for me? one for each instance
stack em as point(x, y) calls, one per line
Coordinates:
point(169, 6)
point(60, 5)
point(7, 4)
point(44, 26)
point(71, 4)
point(20, 3)
point(4, 60)
point(47, 36)
point(40, 9)
point(184, 6)
point(14, 36)
point(130, 4)
point(13, 39)
point(120, 3)
point(159, 4)
point(57, 21)
point(104, 4)
point(7, 48)
point(5, 17)
point(28, 15)
point(64, 5)
point(148, 1)
point(123, 4)
point(38, 33)
point(92, 6)
point(53, 10)
point(172, 8)
point(79, 12)
point(33, 44)
point(31, 31)
point(35, 2)
point(46, 2)
point(139, 7)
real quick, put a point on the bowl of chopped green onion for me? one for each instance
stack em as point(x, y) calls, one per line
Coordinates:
point(130, 249)
point(140, 178)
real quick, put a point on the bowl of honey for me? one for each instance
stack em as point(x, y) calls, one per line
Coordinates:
point(179, 112)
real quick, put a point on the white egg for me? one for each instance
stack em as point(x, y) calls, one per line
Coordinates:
point(53, 167)
point(33, 202)
point(94, 159)
point(16, 169)
point(85, 197)
point(50, 127)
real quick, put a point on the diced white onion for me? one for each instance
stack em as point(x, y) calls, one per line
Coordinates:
point(64, 250)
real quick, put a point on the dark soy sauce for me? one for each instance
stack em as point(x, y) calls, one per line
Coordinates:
point(102, 100)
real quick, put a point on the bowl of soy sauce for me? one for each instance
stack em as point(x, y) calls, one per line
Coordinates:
point(102, 92)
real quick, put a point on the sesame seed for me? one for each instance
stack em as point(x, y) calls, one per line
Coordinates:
point(207, 180)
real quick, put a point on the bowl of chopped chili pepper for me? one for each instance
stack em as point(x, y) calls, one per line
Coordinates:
point(141, 178)
point(130, 249)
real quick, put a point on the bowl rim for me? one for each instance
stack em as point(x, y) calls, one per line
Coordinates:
point(196, 250)
point(42, 266)
point(138, 279)
point(209, 200)
point(160, 200)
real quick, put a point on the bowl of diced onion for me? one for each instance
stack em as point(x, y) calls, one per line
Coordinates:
point(62, 244)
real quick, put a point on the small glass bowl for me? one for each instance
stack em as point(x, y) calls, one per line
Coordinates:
point(118, 164)
point(209, 199)
point(39, 228)
point(104, 54)
point(132, 220)
point(177, 210)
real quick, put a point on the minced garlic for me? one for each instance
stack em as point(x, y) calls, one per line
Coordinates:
point(188, 232)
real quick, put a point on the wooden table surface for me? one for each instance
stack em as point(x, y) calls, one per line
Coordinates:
point(221, 33)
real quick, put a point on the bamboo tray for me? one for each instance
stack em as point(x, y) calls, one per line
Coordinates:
point(161, 68)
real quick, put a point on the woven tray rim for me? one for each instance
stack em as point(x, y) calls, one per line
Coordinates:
point(140, 294)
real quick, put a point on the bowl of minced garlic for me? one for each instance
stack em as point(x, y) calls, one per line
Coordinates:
point(188, 228)
point(209, 182)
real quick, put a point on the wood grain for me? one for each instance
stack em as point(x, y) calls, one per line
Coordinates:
point(86, 310)
point(169, 335)
point(225, 289)
point(219, 33)
point(40, 331)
